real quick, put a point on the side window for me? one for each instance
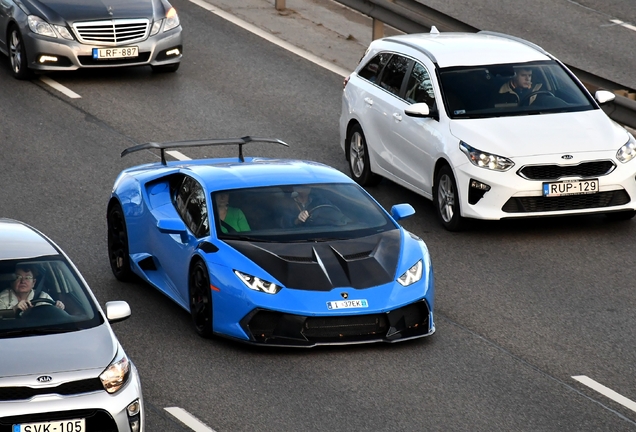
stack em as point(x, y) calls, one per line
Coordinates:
point(374, 67)
point(189, 200)
point(419, 88)
point(394, 73)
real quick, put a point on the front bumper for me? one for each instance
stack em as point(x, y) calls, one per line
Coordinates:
point(265, 327)
point(72, 55)
point(102, 411)
point(513, 196)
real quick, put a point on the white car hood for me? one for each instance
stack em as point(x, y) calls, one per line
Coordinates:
point(64, 352)
point(543, 134)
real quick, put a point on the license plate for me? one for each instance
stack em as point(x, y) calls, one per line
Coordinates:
point(347, 304)
point(115, 53)
point(570, 187)
point(75, 425)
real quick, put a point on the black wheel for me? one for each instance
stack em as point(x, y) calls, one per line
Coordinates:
point(118, 244)
point(446, 200)
point(166, 68)
point(200, 299)
point(17, 56)
point(358, 154)
point(620, 216)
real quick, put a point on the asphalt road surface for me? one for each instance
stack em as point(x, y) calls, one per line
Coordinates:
point(522, 307)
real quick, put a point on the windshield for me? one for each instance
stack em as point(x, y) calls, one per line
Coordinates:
point(43, 296)
point(511, 90)
point(307, 212)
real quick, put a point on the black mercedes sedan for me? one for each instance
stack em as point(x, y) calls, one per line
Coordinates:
point(56, 35)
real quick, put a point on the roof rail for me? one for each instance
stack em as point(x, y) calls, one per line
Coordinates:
point(200, 143)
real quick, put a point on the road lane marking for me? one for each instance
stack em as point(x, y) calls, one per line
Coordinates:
point(189, 420)
point(607, 392)
point(273, 39)
point(59, 87)
point(624, 24)
point(178, 155)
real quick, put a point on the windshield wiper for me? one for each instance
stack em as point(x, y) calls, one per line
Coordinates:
point(37, 331)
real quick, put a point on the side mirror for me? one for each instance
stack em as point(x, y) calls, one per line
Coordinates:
point(173, 226)
point(604, 96)
point(418, 110)
point(117, 311)
point(402, 211)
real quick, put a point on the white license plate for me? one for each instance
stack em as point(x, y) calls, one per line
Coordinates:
point(347, 304)
point(115, 53)
point(570, 187)
point(75, 425)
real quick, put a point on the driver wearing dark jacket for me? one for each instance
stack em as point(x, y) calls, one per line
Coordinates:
point(21, 293)
point(519, 87)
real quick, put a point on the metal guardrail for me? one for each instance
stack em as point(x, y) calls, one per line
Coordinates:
point(411, 16)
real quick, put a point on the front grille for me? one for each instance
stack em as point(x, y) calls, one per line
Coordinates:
point(112, 32)
point(66, 389)
point(569, 202)
point(276, 328)
point(96, 420)
point(555, 172)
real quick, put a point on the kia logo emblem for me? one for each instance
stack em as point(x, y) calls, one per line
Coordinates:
point(567, 157)
point(44, 379)
point(344, 295)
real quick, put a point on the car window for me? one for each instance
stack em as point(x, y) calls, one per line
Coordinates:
point(393, 74)
point(341, 211)
point(53, 281)
point(190, 202)
point(374, 67)
point(419, 87)
point(490, 90)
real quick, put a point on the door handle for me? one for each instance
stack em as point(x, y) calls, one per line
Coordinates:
point(368, 101)
point(397, 117)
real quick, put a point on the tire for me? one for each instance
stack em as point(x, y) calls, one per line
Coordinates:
point(118, 254)
point(358, 156)
point(620, 216)
point(446, 200)
point(200, 299)
point(166, 68)
point(18, 56)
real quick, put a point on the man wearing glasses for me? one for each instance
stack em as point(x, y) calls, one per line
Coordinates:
point(21, 293)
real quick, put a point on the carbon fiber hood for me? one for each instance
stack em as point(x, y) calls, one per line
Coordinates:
point(321, 266)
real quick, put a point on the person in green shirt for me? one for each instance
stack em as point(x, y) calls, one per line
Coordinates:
point(231, 219)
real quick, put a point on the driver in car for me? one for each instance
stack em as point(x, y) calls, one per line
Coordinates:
point(21, 293)
point(305, 201)
point(519, 87)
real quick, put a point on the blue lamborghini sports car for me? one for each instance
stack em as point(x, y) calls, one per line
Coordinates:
point(270, 251)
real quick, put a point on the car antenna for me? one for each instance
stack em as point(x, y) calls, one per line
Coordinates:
point(200, 143)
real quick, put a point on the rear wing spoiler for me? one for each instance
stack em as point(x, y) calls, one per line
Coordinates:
point(201, 143)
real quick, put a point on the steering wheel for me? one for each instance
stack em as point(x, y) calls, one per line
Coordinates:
point(322, 206)
point(329, 219)
point(36, 301)
point(526, 99)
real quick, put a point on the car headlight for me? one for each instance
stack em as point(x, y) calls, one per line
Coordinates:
point(155, 27)
point(117, 373)
point(172, 20)
point(486, 160)
point(257, 284)
point(628, 151)
point(63, 31)
point(39, 26)
point(412, 275)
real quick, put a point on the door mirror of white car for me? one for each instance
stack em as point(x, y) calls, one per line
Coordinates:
point(402, 211)
point(117, 311)
point(418, 110)
point(604, 96)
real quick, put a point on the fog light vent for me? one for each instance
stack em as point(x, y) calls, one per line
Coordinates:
point(476, 191)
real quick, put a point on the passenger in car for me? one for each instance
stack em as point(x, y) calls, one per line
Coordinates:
point(519, 87)
point(21, 294)
point(231, 219)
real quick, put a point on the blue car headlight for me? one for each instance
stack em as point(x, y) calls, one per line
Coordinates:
point(486, 160)
point(412, 275)
point(627, 151)
point(257, 284)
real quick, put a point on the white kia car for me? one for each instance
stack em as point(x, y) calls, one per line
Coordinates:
point(488, 126)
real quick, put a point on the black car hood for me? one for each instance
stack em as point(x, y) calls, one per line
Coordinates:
point(57, 11)
point(321, 266)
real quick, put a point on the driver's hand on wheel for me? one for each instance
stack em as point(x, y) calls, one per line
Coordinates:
point(303, 216)
point(59, 304)
point(22, 305)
